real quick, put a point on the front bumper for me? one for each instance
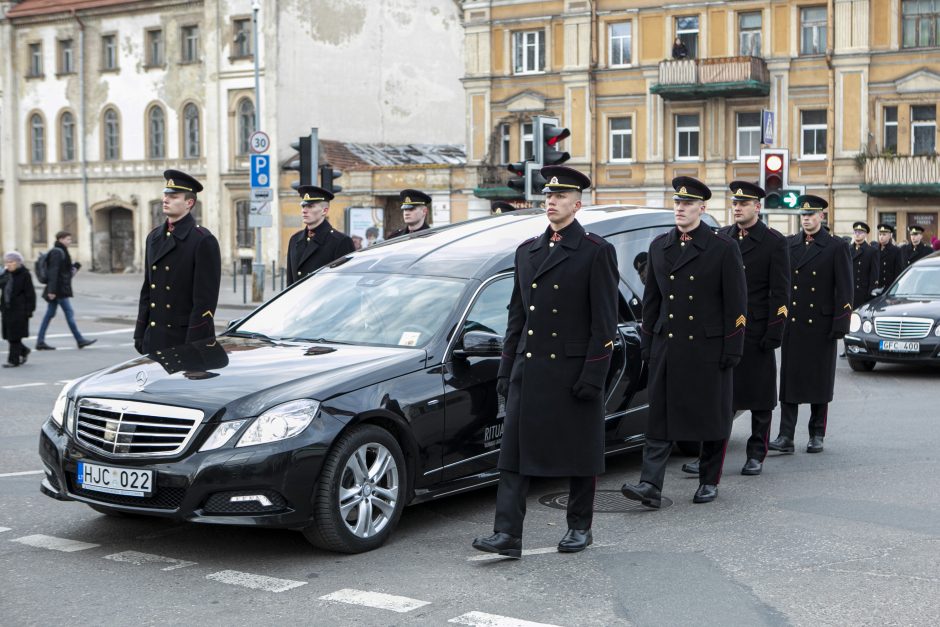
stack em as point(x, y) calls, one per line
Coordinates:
point(198, 487)
point(867, 346)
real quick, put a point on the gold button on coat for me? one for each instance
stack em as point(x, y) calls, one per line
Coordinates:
point(530, 331)
point(152, 323)
point(528, 355)
point(531, 307)
point(535, 285)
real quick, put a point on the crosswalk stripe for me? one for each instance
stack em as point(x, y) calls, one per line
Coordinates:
point(482, 619)
point(377, 600)
point(53, 543)
point(22, 385)
point(255, 582)
point(2, 529)
point(22, 473)
point(139, 559)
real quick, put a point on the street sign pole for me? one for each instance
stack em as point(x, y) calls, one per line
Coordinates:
point(257, 268)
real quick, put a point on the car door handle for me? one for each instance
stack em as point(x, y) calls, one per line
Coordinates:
point(433, 402)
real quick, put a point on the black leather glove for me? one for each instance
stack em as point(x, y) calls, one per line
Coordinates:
point(837, 335)
point(769, 344)
point(728, 361)
point(139, 346)
point(585, 391)
point(77, 265)
point(502, 386)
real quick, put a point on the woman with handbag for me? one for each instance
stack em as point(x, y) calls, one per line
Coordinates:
point(17, 303)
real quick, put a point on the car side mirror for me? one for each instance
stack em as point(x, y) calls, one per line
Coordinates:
point(877, 291)
point(480, 344)
point(232, 324)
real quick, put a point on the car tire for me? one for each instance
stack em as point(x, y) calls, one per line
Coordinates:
point(861, 365)
point(360, 493)
point(689, 449)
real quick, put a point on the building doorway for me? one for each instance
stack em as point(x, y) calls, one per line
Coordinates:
point(927, 221)
point(114, 239)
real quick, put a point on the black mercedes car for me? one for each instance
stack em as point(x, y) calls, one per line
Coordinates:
point(365, 387)
point(902, 324)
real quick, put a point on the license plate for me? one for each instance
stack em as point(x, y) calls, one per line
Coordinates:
point(124, 481)
point(894, 346)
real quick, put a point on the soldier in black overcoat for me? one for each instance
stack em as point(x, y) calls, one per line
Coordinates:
point(865, 265)
point(318, 243)
point(891, 260)
point(181, 280)
point(693, 330)
point(559, 339)
point(820, 308)
point(414, 210)
point(917, 248)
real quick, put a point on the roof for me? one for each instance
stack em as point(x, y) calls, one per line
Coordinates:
point(46, 7)
point(353, 156)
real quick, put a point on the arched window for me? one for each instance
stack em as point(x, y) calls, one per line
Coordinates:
point(70, 218)
point(156, 125)
point(39, 223)
point(67, 137)
point(191, 132)
point(246, 125)
point(244, 234)
point(112, 135)
point(37, 139)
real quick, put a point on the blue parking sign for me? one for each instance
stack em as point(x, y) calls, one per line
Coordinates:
point(260, 171)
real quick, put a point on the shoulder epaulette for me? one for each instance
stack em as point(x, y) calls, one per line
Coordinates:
point(660, 236)
point(724, 237)
point(531, 239)
point(595, 239)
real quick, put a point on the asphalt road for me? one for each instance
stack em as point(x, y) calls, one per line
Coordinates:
point(850, 536)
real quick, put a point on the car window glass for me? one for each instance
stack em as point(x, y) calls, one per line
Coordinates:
point(632, 251)
point(918, 282)
point(490, 312)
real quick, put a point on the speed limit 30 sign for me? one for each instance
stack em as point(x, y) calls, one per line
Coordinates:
point(259, 142)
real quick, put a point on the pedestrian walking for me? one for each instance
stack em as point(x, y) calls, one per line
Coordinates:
point(183, 273)
point(917, 248)
point(60, 271)
point(556, 353)
point(692, 336)
point(318, 243)
point(17, 304)
point(891, 259)
point(414, 211)
point(821, 305)
point(865, 265)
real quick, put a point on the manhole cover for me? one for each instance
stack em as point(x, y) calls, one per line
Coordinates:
point(605, 502)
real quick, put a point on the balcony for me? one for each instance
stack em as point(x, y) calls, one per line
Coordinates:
point(723, 77)
point(901, 175)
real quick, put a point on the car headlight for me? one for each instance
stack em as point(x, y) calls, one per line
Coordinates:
point(855, 322)
point(61, 406)
point(281, 422)
point(936, 330)
point(222, 434)
point(866, 326)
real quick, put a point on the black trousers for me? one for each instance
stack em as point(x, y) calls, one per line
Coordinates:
point(656, 454)
point(818, 415)
point(760, 433)
point(17, 350)
point(513, 490)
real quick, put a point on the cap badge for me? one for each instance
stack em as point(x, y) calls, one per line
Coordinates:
point(170, 183)
point(740, 192)
point(407, 198)
point(682, 190)
point(806, 205)
point(306, 196)
point(554, 181)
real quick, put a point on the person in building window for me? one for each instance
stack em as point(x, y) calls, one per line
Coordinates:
point(414, 211)
point(917, 248)
point(679, 50)
point(318, 243)
point(17, 304)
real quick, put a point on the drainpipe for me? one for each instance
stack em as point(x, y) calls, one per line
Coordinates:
point(81, 132)
point(830, 110)
point(592, 85)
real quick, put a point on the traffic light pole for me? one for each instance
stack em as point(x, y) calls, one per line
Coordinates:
point(257, 268)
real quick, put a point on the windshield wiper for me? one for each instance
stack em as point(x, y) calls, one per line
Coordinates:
point(252, 335)
point(317, 340)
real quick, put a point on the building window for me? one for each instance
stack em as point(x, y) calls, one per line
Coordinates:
point(528, 51)
point(921, 23)
point(35, 60)
point(687, 33)
point(70, 217)
point(66, 56)
point(528, 144)
point(191, 147)
point(923, 129)
point(504, 140)
point(244, 235)
point(190, 41)
point(749, 132)
point(112, 136)
point(39, 223)
point(813, 30)
point(156, 213)
point(156, 125)
point(246, 125)
point(621, 43)
point(109, 59)
point(155, 48)
point(37, 139)
point(241, 42)
point(888, 217)
point(813, 134)
point(687, 134)
point(67, 132)
point(621, 139)
point(749, 35)
point(891, 129)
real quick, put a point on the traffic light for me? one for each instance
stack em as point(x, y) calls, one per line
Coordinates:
point(517, 182)
point(327, 177)
point(308, 149)
point(536, 182)
point(773, 175)
point(548, 136)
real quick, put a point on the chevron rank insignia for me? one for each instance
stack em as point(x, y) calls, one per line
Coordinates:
point(208, 313)
point(782, 311)
point(740, 322)
point(847, 306)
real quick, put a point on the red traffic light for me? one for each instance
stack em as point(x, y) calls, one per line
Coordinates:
point(553, 135)
point(773, 163)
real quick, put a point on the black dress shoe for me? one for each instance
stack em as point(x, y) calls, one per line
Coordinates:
point(645, 493)
point(25, 354)
point(752, 467)
point(782, 444)
point(501, 543)
point(42, 346)
point(9, 365)
point(705, 494)
point(691, 467)
point(815, 444)
point(576, 540)
point(85, 343)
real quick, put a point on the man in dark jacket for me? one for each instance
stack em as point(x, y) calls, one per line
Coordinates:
point(692, 336)
point(821, 278)
point(560, 335)
point(181, 280)
point(917, 248)
point(891, 261)
point(414, 211)
point(58, 291)
point(318, 243)
point(17, 303)
point(865, 265)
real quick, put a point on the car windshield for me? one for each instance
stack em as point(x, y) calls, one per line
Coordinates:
point(373, 309)
point(924, 281)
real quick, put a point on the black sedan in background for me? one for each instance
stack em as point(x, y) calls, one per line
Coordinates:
point(902, 324)
point(365, 387)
